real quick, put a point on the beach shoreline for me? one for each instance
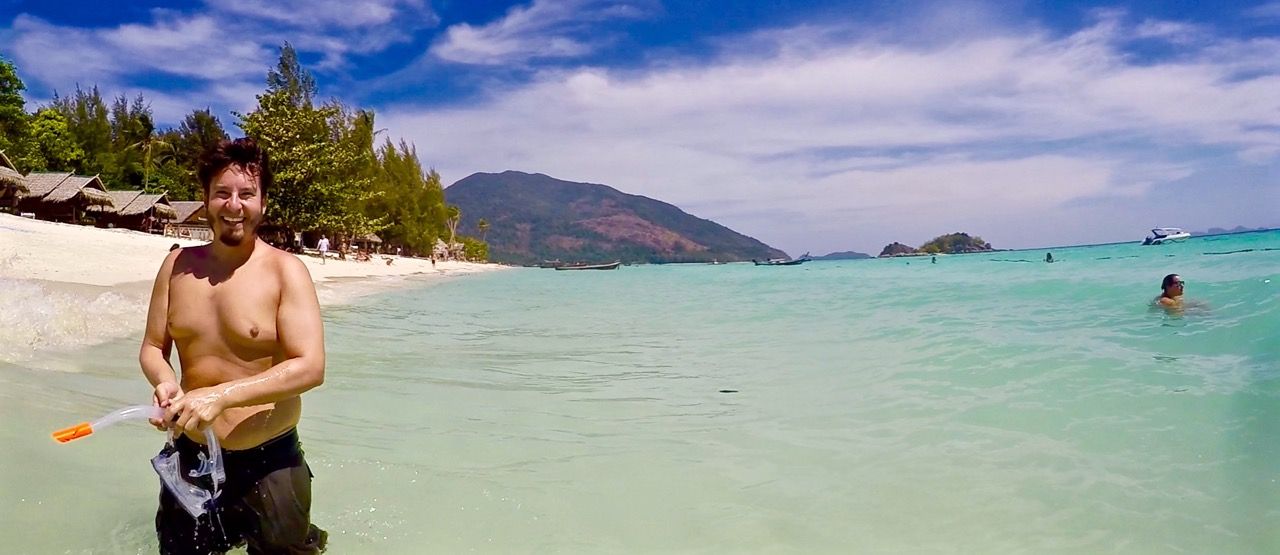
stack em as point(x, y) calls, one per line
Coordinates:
point(70, 286)
point(49, 251)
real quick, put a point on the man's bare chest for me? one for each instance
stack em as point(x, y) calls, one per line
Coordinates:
point(236, 312)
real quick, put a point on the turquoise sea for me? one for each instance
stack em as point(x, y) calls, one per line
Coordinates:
point(989, 403)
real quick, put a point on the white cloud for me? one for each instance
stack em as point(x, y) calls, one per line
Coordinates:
point(545, 29)
point(965, 131)
point(229, 47)
point(1270, 10)
point(1172, 31)
point(326, 13)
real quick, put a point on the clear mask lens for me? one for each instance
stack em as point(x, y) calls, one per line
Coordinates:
point(195, 499)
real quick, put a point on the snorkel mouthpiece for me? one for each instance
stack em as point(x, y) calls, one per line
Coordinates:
point(73, 432)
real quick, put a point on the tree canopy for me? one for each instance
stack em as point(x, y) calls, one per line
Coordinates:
point(331, 173)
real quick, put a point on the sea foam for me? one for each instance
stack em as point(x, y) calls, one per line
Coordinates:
point(38, 317)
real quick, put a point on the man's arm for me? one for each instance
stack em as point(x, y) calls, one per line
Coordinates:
point(156, 342)
point(153, 356)
point(301, 335)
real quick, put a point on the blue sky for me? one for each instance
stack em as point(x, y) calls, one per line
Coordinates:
point(811, 125)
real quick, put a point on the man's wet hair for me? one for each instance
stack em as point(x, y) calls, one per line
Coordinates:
point(1168, 281)
point(244, 154)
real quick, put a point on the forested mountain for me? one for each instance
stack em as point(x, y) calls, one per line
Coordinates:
point(529, 218)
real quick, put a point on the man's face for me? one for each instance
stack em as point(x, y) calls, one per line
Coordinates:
point(235, 206)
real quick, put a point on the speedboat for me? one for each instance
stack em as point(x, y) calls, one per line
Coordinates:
point(1162, 235)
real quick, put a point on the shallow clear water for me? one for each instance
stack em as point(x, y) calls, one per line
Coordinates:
point(988, 403)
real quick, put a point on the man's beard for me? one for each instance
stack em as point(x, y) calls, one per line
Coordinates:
point(232, 238)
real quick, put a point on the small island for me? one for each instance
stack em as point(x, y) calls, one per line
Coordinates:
point(953, 243)
point(843, 255)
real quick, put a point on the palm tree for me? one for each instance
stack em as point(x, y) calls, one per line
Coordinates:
point(483, 226)
point(148, 146)
point(454, 216)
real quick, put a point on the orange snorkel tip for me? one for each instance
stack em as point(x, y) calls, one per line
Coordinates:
point(73, 432)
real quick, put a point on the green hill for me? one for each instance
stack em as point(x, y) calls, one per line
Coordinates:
point(955, 243)
point(533, 217)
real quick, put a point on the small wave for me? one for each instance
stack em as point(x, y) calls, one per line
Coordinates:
point(1245, 250)
point(40, 317)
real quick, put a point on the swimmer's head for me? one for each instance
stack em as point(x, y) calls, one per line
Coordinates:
point(1172, 284)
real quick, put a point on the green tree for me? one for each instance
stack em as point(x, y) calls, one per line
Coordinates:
point(14, 120)
point(53, 147)
point(483, 226)
point(453, 218)
point(132, 132)
point(155, 150)
point(322, 156)
point(87, 120)
point(198, 131)
point(475, 250)
point(291, 80)
point(410, 201)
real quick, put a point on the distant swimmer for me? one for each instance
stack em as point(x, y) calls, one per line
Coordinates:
point(1048, 257)
point(933, 260)
point(1171, 294)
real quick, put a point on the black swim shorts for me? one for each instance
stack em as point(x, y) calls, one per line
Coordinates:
point(265, 503)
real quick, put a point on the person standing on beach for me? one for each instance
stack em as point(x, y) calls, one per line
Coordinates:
point(246, 323)
point(323, 245)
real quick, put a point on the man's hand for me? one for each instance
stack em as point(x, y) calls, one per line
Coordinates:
point(196, 410)
point(164, 394)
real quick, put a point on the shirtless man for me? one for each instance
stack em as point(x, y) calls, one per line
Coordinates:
point(246, 322)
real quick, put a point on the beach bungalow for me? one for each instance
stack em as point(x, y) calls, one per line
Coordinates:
point(190, 221)
point(63, 197)
point(369, 242)
point(13, 185)
point(136, 210)
point(449, 251)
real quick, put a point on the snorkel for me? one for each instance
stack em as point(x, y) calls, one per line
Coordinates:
point(195, 499)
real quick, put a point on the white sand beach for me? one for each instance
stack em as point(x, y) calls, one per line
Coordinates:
point(48, 251)
point(69, 286)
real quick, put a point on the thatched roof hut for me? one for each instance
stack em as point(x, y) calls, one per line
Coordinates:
point(10, 176)
point(89, 189)
point(135, 210)
point(12, 182)
point(188, 211)
point(158, 205)
point(40, 184)
point(51, 187)
point(119, 199)
point(61, 196)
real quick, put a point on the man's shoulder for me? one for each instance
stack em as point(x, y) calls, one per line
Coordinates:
point(187, 257)
point(288, 265)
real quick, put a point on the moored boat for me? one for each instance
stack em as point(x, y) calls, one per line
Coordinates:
point(610, 266)
point(782, 261)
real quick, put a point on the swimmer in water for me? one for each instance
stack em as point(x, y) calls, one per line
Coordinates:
point(1171, 293)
